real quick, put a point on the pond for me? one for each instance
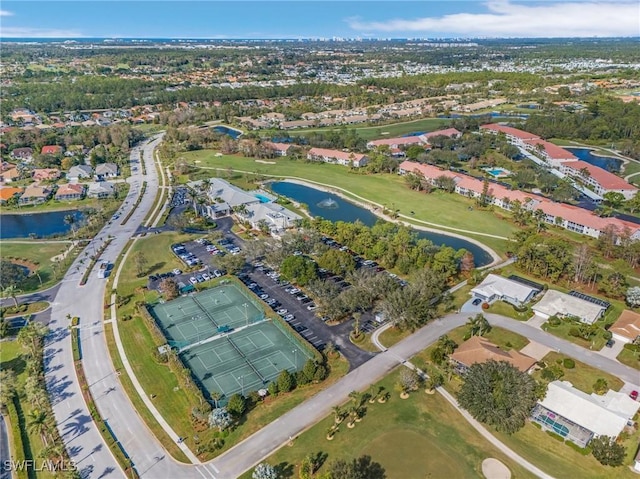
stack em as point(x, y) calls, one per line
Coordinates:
point(40, 224)
point(334, 208)
point(225, 130)
point(605, 162)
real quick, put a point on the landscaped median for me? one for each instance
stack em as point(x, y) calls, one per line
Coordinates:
point(135, 205)
point(94, 260)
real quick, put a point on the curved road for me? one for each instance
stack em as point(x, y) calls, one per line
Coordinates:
point(81, 436)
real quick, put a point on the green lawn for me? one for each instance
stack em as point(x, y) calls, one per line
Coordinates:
point(582, 376)
point(419, 437)
point(505, 309)
point(39, 253)
point(446, 210)
point(11, 355)
point(629, 358)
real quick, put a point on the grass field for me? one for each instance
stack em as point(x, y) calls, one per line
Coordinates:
point(629, 358)
point(582, 376)
point(446, 210)
point(11, 356)
point(41, 254)
point(419, 437)
point(505, 309)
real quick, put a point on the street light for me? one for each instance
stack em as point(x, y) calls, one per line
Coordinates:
point(295, 357)
point(241, 378)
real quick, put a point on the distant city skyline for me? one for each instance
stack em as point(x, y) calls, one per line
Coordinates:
point(267, 19)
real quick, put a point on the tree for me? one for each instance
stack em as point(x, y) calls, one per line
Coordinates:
point(8, 389)
point(607, 451)
point(4, 328)
point(11, 274)
point(336, 261)
point(169, 289)
point(38, 423)
point(613, 199)
point(236, 405)
point(264, 471)
point(285, 381)
point(632, 297)
point(408, 380)
point(11, 292)
point(220, 418)
point(298, 269)
point(600, 386)
point(360, 468)
point(498, 394)
point(140, 262)
point(72, 222)
point(478, 325)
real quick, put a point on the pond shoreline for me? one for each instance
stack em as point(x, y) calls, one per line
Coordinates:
point(377, 210)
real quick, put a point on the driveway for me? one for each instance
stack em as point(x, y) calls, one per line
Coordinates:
point(613, 351)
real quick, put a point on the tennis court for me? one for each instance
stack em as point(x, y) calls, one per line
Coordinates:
point(194, 318)
point(245, 360)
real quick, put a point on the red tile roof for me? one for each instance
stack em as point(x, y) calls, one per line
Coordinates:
point(69, 189)
point(341, 155)
point(507, 130)
point(278, 146)
point(9, 192)
point(405, 140)
point(554, 151)
point(607, 180)
point(51, 150)
point(447, 132)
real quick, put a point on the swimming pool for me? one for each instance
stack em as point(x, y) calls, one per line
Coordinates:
point(498, 172)
point(262, 198)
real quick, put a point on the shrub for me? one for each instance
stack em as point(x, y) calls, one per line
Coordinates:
point(485, 305)
point(236, 405)
point(220, 419)
point(575, 332)
point(557, 437)
point(568, 363)
point(285, 381)
point(554, 321)
point(585, 451)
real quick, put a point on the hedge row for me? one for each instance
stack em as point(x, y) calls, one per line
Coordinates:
point(17, 434)
point(135, 205)
point(93, 262)
point(75, 339)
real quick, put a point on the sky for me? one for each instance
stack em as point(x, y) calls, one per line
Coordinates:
point(319, 19)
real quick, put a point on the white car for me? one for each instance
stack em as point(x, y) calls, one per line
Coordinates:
point(289, 317)
point(193, 280)
point(177, 271)
point(282, 312)
point(264, 296)
point(294, 291)
point(206, 276)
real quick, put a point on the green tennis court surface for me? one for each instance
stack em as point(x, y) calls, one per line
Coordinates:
point(223, 338)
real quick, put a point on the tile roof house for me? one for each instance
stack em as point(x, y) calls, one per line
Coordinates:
point(101, 189)
point(579, 417)
point(25, 154)
point(601, 180)
point(69, 191)
point(555, 303)
point(495, 287)
point(479, 350)
point(8, 192)
point(106, 170)
point(9, 175)
point(280, 149)
point(413, 140)
point(627, 328)
point(34, 194)
point(51, 150)
point(337, 156)
point(46, 174)
point(79, 172)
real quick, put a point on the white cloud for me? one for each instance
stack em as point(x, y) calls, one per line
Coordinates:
point(5, 13)
point(25, 32)
point(506, 19)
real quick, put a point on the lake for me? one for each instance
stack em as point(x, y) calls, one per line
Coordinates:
point(40, 224)
point(334, 208)
point(605, 162)
point(225, 130)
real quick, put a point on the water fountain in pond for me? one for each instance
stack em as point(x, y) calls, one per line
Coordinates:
point(328, 204)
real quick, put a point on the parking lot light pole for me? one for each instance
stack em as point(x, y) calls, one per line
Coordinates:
point(295, 357)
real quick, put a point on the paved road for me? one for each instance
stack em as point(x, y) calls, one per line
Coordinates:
point(5, 453)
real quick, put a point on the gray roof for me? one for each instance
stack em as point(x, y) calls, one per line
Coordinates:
point(494, 284)
point(229, 193)
point(100, 187)
point(555, 302)
point(107, 169)
point(80, 170)
point(276, 216)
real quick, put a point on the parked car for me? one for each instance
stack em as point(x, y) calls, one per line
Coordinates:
point(312, 307)
point(282, 312)
point(476, 301)
point(200, 278)
point(206, 276)
point(193, 280)
point(634, 395)
point(264, 296)
point(177, 271)
point(289, 317)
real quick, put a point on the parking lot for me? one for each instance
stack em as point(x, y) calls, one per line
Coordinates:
point(308, 325)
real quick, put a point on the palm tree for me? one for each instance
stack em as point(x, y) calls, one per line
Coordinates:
point(31, 336)
point(4, 328)
point(38, 423)
point(71, 221)
point(478, 325)
point(11, 291)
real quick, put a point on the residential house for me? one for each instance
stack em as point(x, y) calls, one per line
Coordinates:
point(627, 328)
point(336, 156)
point(580, 417)
point(46, 174)
point(34, 194)
point(479, 350)
point(101, 189)
point(106, 170)
point(9, 192)
point(495, 287)
point(563, 215)
point(555, 303)
point(24, 154)
point(279, 149)
point(69, 191)
point(51, 150)
point(79, 172)
point(554, 155)
point(9, 175)
point(406, 141)
point(601, 181)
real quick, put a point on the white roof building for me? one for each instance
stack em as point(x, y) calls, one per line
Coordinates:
point(495, 287)
point(601, 415)
point(277, 217)
point(564, 305)
point(228, 193)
